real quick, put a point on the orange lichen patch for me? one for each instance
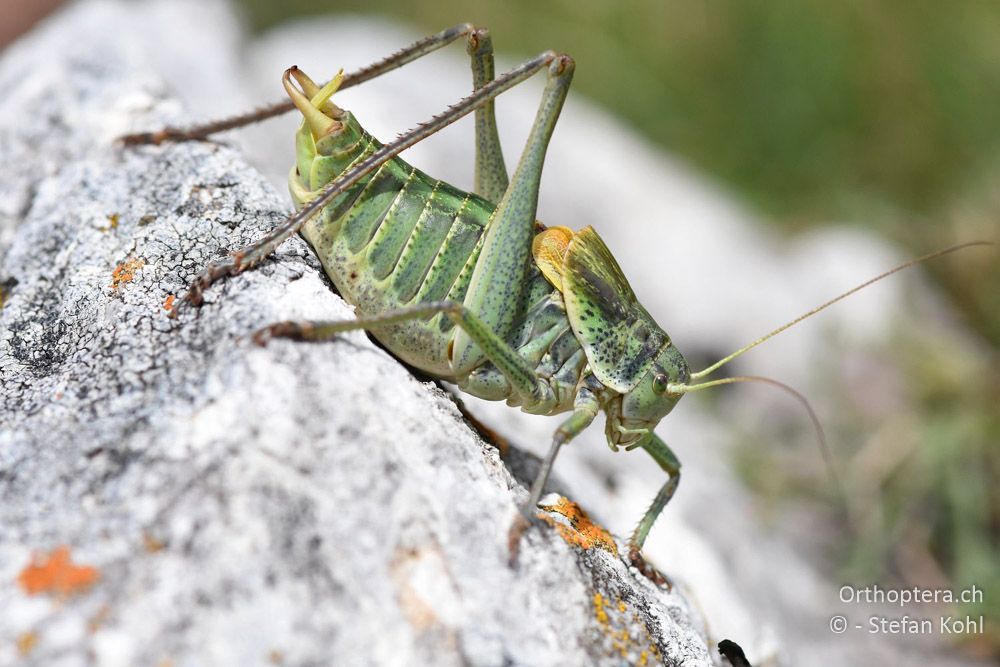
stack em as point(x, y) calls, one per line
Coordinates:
point(151, 543)
point(113, 220)
point(125, 272)
point(56, 574)
point(26, 643)
point(625, 635)
point(168, 304)
point(581, 531)
point(599, 610)
point(621, 641)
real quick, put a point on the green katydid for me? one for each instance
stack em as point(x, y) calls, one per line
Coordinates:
point(469, 287)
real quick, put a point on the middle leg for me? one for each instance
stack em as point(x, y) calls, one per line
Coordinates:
point(515, 369)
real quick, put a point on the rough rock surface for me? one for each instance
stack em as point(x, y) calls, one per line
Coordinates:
point(295, 504)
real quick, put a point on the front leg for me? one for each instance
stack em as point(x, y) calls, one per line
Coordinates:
point(668, 461)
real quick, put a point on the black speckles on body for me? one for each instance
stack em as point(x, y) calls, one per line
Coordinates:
point(408, 238)
point(377, 199)
point(436, 221)
point(620, 337)
point(547, 342)
point(394, 229)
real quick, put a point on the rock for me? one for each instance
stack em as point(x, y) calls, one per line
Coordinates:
point(171, 493)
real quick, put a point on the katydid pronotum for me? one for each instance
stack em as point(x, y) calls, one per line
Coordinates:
point(469, 287)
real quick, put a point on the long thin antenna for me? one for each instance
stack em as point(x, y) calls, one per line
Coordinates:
point(820, 434)
point(897, 269)
point(398, 59)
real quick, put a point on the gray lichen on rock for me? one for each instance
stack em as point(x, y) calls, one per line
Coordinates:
point(296, 503)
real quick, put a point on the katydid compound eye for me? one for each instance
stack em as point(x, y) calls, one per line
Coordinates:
point(660, 383)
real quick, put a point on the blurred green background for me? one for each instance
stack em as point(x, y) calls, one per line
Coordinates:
point(881, 113)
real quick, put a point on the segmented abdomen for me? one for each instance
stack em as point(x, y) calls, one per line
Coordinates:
point(401, 237)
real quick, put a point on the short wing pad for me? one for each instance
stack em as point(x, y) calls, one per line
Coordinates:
point(619, 337)
point(549, 250)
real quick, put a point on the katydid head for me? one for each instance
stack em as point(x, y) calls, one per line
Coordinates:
point(632, 416)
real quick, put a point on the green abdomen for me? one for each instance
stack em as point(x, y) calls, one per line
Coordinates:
point(401, 237)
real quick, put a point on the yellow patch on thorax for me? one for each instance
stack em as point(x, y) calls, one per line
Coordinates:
point(549, 250)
